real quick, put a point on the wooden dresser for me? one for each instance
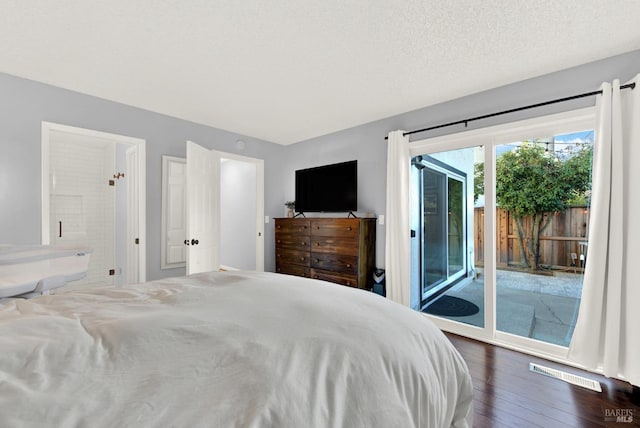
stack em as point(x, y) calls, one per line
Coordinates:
point(340, 250)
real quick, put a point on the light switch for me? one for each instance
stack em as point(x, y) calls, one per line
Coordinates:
point(381, 219)
point(266, 219)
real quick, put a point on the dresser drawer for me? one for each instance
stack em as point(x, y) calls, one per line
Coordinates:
point(294, 257)
point(335, 263)
point(294, 226)
point(293, 242)
point(324, 275)
point(328, 244)
point(341, 228)
point(294, 270)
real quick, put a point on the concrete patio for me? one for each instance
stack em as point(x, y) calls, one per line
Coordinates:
point(542, 307)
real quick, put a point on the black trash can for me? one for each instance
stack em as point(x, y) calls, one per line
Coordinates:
point(379, 282)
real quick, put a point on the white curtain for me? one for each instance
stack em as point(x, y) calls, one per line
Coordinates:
point(606, 335)
point(398, 237)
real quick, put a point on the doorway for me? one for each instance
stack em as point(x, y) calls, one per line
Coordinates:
point(93, 196)
point(238, 211)
point(225, 211)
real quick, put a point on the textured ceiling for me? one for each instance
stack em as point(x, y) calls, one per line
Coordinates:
point(289, 70)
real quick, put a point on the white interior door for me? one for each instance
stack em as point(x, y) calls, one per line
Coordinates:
point(203, 225)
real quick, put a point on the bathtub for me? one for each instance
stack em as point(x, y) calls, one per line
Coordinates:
point(28, 271)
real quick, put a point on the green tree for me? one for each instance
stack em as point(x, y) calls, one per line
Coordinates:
point(531, 182)
point(578, 172)
point(478, 180)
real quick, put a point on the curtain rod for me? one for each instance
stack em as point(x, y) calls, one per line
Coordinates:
point(513, 110)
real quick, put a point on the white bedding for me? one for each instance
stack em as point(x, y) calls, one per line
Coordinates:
point(227, 349)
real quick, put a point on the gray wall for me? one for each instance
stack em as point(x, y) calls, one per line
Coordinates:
point(24, 104)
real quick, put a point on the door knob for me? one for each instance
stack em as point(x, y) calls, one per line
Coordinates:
point(186, 242)
point(194, 242)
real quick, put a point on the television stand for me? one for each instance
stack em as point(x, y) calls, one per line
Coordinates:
point(351, 214)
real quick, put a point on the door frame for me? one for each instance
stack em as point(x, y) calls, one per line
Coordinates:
point(259, 164)
point(136, 211)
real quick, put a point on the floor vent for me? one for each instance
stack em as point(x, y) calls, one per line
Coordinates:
point(567, 377)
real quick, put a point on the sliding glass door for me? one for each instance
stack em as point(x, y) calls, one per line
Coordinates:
point(499, 230)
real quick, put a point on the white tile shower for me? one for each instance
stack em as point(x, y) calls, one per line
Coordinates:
point(83, 201)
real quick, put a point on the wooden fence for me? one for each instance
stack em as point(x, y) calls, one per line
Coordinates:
point(565, 235)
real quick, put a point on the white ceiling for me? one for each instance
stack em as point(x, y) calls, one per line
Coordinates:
point(289, 70)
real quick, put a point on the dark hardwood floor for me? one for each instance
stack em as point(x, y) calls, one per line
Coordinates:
point(507, 394)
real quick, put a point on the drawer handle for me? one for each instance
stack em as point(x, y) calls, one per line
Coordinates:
point(349, 228)
point(279, 241)
point(317, 244)
point(303, 243)
point(348, 265)
point(317, 260)
point(316, 276)
point(301, 259)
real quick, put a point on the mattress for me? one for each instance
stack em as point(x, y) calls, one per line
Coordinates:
point(227, 349)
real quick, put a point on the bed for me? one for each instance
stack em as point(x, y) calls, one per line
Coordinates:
point(227, 349)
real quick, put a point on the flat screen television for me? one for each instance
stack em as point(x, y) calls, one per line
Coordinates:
point(328, 188)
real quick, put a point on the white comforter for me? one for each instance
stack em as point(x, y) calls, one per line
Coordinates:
point(227, 350)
